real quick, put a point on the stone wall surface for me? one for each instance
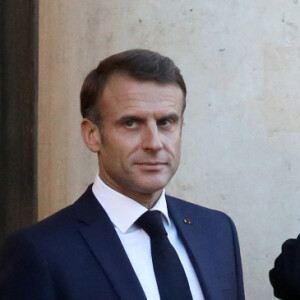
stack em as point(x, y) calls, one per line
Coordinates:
point(241, 138)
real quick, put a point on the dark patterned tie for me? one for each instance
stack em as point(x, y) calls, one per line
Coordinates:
point(170, 276)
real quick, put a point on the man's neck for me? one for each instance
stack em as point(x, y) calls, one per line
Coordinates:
point(148, 200)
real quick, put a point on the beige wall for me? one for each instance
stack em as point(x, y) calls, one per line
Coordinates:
point(241, 151)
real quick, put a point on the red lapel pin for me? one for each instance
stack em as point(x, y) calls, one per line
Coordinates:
point(187, 221)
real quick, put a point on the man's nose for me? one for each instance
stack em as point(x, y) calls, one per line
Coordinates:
point(152, 139)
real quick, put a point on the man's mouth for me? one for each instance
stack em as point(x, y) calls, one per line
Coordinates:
point(151, 165)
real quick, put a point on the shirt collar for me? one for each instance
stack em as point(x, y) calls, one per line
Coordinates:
point(122, 210)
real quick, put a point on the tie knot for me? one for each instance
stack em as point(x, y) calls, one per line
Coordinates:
point(152, 223)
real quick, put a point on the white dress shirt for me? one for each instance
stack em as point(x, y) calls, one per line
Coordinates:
point(123, 212)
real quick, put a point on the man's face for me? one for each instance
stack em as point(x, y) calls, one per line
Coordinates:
point(140, 135)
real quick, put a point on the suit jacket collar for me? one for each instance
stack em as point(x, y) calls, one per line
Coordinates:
point(101, 237)
point(198, 243)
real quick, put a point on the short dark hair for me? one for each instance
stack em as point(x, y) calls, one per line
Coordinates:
point(140, 64)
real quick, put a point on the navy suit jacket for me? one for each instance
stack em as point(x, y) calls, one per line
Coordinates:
point(76, 254)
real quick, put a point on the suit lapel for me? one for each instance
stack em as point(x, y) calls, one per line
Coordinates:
point(105, 244)
point(199, 245)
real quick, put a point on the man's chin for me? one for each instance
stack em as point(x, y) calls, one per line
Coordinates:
point(151, 187)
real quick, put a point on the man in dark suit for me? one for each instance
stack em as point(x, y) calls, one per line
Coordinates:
point(124, 238)
point(285, 276)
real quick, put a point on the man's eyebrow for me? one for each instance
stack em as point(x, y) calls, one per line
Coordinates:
point(173, 116)
point(129, 118)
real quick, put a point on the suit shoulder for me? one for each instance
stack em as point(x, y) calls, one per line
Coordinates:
point(57, 226)
point(207, 217)
point(52, 227)
point(61, 220)
point(183, 204)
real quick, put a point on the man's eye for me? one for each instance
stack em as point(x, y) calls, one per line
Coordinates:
point(164, 123)
point(130, 123)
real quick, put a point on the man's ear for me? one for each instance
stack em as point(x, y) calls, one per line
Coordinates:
point(91, 135)
point(181, 125)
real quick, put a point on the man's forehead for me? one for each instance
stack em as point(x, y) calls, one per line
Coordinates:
point(125, 90)
point(120, 79)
